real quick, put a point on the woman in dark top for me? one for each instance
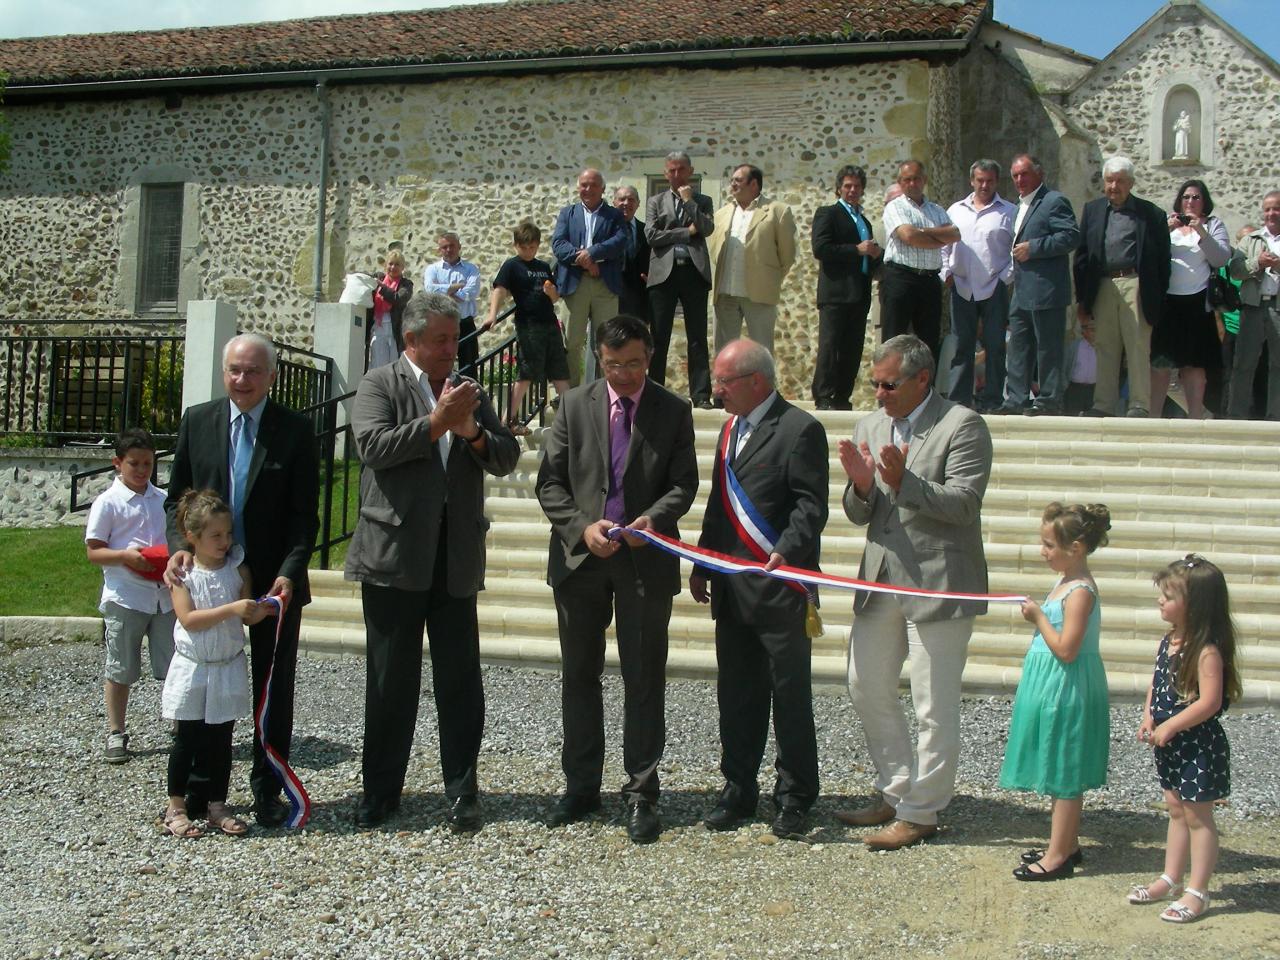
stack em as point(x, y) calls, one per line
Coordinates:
point(389, 298)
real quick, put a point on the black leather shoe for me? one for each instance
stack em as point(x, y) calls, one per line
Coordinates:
point(1033, 871)
point(643, 825)
point(571, 808)
point(373, 810)
point(464, 814)
point(822, 405)
point(727, 816)
point(703, 404)
point(1035, 855)
point(270, 811)
point(1041, 410)
point(791, 823)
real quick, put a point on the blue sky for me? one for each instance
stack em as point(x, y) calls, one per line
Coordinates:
point(1094, 27)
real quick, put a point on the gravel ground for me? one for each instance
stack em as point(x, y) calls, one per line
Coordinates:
point(86, 872)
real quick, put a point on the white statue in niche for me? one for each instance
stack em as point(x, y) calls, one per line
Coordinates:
point(1182, 136)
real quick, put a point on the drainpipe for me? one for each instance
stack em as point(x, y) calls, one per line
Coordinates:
point(322, 95)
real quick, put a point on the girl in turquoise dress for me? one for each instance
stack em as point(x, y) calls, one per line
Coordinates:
point(1059, 734)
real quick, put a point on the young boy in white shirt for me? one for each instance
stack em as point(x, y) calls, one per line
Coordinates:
point(125, 519)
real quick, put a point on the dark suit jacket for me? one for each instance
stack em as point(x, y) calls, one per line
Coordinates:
point(404, 483)
point(668, 224)
point(403, 292)
point(1044, 281)
point(607, 249)
point(659, 480)
point(783, 470)
point(930, 534)
point(280, 509)
point(834, 238)
point(634, 298)
point(1153, 256)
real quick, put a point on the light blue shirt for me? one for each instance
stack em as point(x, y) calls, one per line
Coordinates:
point(440, 276)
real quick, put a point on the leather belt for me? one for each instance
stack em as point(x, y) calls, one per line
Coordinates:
point(916, 270)
point(1126, 272)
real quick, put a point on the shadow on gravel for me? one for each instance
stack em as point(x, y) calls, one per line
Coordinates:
point(1248, 897)
point(306, 753)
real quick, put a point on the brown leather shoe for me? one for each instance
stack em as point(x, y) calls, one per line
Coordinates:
point(899, 834)
point(871, 816)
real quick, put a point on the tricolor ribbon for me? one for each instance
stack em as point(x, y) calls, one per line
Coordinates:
point(723, 563)
point(299, 801)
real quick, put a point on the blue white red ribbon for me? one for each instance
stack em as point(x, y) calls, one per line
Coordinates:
point(299, 801)
point(723, 563)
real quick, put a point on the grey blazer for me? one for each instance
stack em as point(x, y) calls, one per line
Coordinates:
point(659, 480)
point(930, 534)
point(1044, 281)
point(667, 224)
point(404, 484)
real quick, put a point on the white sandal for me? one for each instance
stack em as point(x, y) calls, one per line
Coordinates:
point(1181, 913)
point(1141, 895)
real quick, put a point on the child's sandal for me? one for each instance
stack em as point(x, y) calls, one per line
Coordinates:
point(1141, 895)
point(1181, 913)
point(220, 818)
point(177, 823)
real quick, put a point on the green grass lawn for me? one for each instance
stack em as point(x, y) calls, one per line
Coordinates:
point(44, 571)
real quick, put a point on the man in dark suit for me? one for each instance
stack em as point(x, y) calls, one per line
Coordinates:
point(620, 454)
point(261, 459)
point(589, 247)
point(848, 256)
point(426, 442)
point(634, 298)
point(778, 454)
point(1044, 234)
point(1122, 275)
point(679, 222)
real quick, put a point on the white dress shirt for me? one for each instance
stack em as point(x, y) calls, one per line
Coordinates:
point(122, 519)
point(983, 256)
point(440, 276)
point(905, 211)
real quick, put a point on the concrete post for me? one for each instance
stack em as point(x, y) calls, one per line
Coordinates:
point(210, 324)
point(339, 332)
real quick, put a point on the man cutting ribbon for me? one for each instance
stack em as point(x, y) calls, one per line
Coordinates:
point(918, 469)
point(775, 505)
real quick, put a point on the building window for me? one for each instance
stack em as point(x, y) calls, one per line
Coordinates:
point(160, 247)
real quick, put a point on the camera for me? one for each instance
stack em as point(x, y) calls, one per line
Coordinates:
point(1184, 218)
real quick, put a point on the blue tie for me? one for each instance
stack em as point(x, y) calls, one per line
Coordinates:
point(863, 234)
point(242, 456)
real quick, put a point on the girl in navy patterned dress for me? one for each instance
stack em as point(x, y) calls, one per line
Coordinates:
point(1195, 680)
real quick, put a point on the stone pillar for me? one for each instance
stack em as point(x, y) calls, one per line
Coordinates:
point(339, 333)
point(210, 324)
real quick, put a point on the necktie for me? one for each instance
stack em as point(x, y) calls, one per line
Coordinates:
point(902, 431)
point(741, 434)
point(863, 234)
point(619, 442)
point(631, 241)
point(241, 457)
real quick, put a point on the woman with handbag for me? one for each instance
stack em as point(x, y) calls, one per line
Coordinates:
point(1186, 338)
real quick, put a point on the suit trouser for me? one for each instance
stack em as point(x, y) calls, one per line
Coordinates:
point(842, 331)
point(685, 285)
point(1039, 337)
point(966, 316)
point(760, 317)
point(394, 621)
point(911, 302)
point(585, 604)
point(590, 304)
point(917, 783)
point(761, 664)
point(634, 301)
point(1256, 325)
point(1118, 326)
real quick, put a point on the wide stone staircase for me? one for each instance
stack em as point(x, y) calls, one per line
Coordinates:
point(1173, 487)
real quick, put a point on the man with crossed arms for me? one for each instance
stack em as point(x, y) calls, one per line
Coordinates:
point(918, 469)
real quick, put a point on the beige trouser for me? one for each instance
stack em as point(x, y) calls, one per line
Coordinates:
point(590, 301)
point(760, 317)
point(1118, 326)
point(918, 782)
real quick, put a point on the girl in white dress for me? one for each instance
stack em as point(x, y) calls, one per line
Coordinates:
point(207, 687)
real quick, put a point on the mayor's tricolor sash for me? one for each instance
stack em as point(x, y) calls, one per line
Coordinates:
point(299, 801)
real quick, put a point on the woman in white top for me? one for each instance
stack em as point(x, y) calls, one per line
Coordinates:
point(1187, 337)
point(208, 683)
point(389, 298)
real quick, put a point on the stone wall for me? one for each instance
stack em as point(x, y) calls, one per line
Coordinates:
point(475, 155)
point(37, 485)
point(1120, 105)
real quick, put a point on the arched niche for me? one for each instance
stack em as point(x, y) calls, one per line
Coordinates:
point(1175, 95)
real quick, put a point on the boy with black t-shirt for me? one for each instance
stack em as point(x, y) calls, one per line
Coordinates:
point(529, 281)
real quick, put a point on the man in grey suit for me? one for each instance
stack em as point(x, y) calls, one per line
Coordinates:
point(679, 221)
point(1044, 234)
point(426, 441)
point(620, 454)
point(918, 469)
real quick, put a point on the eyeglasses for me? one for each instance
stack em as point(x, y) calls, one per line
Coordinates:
point(235, 370)
point(725, 381)
point(888, 386)
point(631, 366)
point(1193, 560)
point(1191, 196)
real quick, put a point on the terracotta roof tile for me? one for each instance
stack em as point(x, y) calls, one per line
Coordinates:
point(484, 33)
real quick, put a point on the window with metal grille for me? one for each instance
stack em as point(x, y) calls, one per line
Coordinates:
point(159, 253)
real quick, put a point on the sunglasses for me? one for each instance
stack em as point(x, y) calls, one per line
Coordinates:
point(888, 386)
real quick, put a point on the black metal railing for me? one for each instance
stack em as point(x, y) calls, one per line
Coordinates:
point(87, 388)
point(339, 478)
point(303, 379)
